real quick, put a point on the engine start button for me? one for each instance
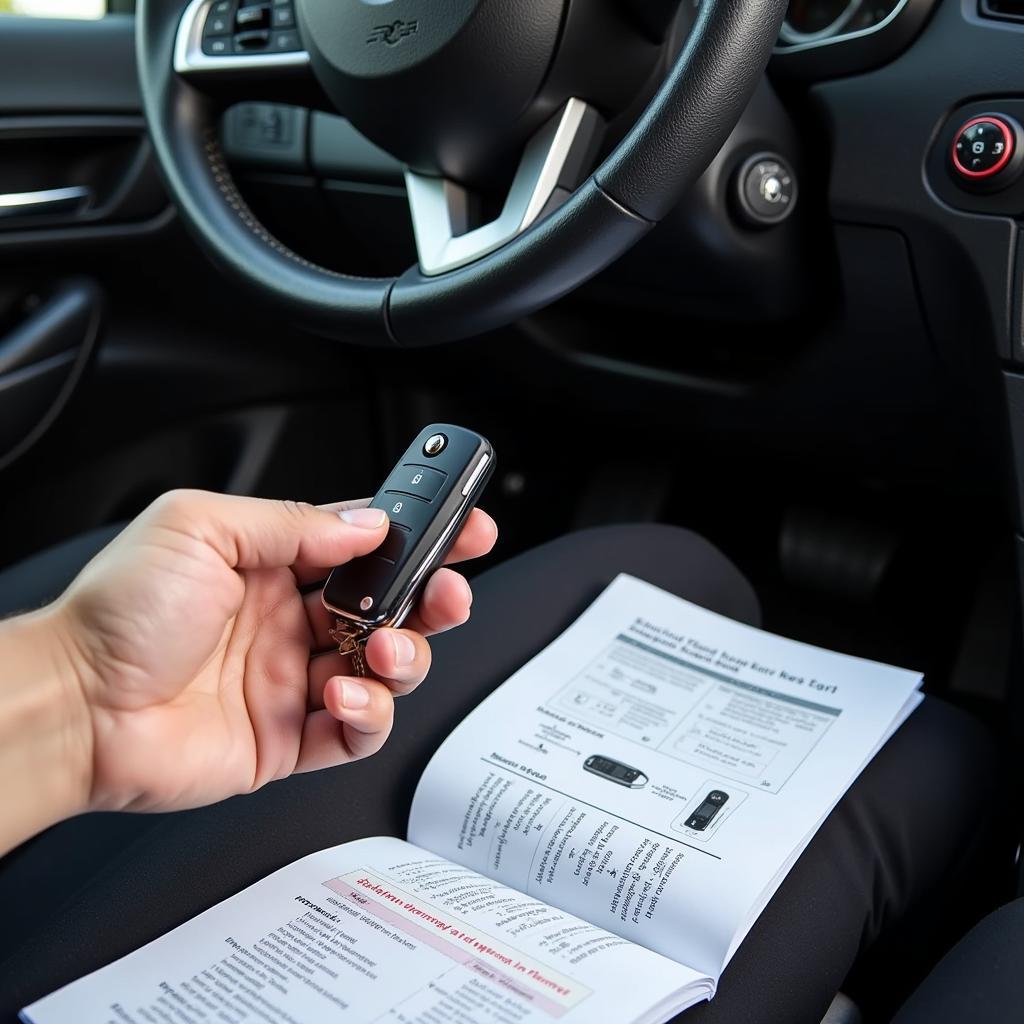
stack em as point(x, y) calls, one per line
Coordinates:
point(765, 190)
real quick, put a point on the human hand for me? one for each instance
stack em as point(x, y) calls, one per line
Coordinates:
point(194, 650)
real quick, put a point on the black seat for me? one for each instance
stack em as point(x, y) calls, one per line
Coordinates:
point(979, 979)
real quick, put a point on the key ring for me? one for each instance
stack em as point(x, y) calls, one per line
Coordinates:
point(351, 639)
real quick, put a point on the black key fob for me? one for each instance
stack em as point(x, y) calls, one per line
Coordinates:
point(427, 497)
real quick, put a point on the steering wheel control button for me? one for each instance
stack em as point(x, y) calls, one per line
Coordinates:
point(252, 16)
point(765, 190)
point(282, 42)
point(250, 27)
point(419, 481)
point(218, 25)
point(435, 444)
point(985, 151)
point(256, 39)
point(282, 16)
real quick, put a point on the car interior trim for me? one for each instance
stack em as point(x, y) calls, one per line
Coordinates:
point(190, 59)
point(47, 199)
point(549, 170)
point(839, 37)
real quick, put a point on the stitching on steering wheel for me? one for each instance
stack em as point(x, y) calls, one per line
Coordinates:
point(228, 189)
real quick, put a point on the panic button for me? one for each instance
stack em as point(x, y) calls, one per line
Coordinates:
point(419, 481)
point(984, 148)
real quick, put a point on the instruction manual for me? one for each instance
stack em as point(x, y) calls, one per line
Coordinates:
point(593, 842)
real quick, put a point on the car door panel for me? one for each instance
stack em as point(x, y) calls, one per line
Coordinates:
point(63, 66)
point(127, 363)
point(42, 355)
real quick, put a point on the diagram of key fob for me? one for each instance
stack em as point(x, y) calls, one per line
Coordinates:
point(709, 807)
point(615, 771)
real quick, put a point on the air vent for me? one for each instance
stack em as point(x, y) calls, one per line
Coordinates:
point(1007, 10)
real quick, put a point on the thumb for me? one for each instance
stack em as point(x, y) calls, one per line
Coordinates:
point(259, 533)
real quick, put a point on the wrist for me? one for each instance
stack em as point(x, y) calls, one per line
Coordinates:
point(45, 727)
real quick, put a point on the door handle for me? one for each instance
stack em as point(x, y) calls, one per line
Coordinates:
point(49, 200)
point(42, 358)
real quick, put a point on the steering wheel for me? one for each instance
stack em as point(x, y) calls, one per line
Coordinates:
point(480, 99)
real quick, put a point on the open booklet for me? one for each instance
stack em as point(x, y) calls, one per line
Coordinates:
point(593, 842)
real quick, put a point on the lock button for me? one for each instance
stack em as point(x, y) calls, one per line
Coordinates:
point(403, 510)
point(419, 481)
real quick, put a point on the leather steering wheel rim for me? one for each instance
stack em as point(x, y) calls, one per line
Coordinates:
point(683, 127)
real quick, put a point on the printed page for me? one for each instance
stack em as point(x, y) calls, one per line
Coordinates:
point(657, 769)
point(773, 885)
point(378, 930)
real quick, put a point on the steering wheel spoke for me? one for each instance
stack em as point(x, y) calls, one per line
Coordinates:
point(553, 163)
point(221, 43)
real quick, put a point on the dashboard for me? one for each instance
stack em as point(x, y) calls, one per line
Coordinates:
point(893, 285)
point(809, 22)
point(830, 38)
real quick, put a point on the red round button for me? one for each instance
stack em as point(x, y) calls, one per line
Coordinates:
point(982, 147)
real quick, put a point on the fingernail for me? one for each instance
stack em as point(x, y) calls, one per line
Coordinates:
point(405, 649)
point(364, 518)
point(354, 695)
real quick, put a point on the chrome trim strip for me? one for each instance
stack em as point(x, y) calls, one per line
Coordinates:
point(550, 162)
point(28, 203)
point(190, 59)
point(846, 36)
point(475, 475)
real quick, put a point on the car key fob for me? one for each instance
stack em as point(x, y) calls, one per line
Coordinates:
point(427, 496)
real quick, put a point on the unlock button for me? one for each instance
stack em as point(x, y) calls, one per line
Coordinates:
point(419, 481)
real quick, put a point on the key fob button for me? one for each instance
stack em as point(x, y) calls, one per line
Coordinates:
point(435, 444)
point(363, 578)
point(420, 481)
point(412, 513)
point(393, 547)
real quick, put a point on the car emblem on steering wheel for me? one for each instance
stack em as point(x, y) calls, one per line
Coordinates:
point(393, 34)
